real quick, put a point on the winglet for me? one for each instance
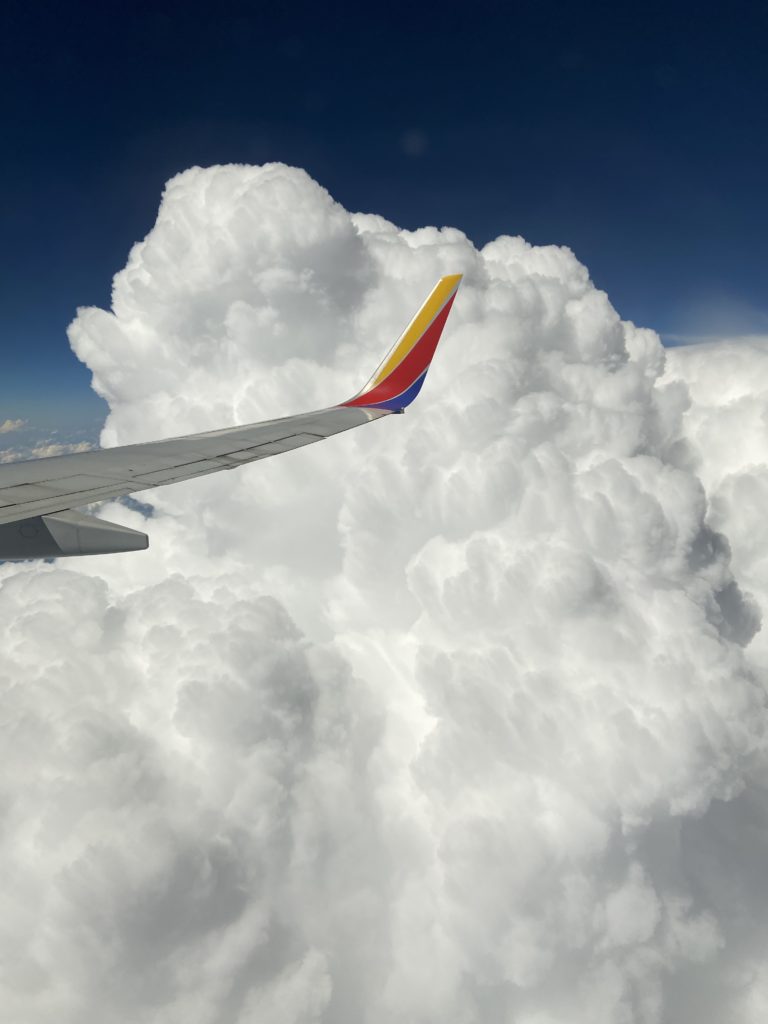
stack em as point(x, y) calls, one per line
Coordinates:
point(399, 378)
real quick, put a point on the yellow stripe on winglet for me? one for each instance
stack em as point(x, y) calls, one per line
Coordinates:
point(440, 294)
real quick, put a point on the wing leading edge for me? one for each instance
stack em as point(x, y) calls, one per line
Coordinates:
point(37, 496)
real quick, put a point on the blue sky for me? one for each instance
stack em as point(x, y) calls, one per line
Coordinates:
point(637, 137)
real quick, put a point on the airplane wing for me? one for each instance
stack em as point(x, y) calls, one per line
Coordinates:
point(38, 497)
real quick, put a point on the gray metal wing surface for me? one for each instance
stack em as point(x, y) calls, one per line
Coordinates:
point(39, 498)
point(44, 486)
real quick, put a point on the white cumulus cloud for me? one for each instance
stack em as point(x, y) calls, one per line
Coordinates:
point(454, 718)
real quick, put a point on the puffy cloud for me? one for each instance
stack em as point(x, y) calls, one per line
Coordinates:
point(724, 443)
point(453, 718)
point(8, 426)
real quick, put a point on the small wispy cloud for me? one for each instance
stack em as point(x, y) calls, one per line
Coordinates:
point(684, 340)
point(716, 317)
point(10, 425)
point(44, 451)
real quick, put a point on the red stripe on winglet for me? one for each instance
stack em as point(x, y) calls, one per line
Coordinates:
point(412, 367)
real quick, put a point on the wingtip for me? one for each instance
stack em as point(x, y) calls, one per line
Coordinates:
point(453, 280)
point(399, 378)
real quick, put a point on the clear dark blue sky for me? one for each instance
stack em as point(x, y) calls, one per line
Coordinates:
point(636, 134)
